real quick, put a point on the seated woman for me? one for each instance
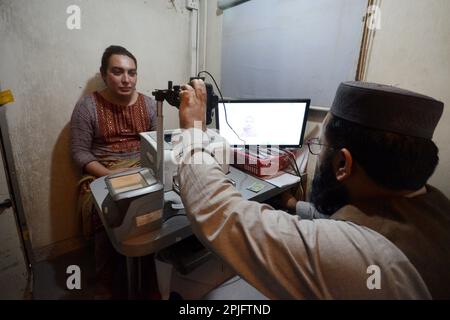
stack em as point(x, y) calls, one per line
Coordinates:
point(105, 127)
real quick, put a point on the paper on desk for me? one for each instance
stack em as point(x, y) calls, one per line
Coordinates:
point(283, 180)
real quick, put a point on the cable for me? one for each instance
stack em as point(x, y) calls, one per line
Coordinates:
point(292, 157)
point(293, 163)
point(223, 102)
point(295, 167)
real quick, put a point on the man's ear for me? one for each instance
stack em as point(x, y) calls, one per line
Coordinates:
point(344, 163)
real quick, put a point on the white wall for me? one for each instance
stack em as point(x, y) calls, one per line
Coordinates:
point(213, 46)
point(412, 50)
point(210, 46)
point(49, 67)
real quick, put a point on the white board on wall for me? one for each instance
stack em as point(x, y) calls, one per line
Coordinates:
point(291, 49)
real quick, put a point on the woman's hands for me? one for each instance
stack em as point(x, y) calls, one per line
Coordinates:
point(98, 170)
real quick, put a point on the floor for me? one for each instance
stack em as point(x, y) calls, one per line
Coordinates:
point(50, 278)
point(14, 279)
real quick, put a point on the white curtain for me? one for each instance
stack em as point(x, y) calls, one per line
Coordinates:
point(291, 48)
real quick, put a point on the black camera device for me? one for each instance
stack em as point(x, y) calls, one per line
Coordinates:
point(172, 96)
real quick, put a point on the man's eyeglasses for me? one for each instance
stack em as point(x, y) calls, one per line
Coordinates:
point(315, 147)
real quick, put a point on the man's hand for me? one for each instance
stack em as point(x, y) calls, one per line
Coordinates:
point(288, 201)
point(193, 105)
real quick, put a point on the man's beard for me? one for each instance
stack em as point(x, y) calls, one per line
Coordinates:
point(328, 195)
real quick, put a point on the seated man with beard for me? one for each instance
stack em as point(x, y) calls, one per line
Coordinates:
point(388, 233)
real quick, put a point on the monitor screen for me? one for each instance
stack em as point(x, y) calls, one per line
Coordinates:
point(263, 122)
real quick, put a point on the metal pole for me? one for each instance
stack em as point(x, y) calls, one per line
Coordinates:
point(131, 277)
point(139, 276)
point(160, 142)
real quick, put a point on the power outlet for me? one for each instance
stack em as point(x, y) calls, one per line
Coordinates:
point(192, 4)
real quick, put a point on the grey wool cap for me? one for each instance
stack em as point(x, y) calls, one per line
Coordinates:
point(387, 108)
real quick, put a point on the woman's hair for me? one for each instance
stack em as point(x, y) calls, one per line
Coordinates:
point(114, 50)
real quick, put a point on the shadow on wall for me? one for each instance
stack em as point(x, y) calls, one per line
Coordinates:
point(64, 177)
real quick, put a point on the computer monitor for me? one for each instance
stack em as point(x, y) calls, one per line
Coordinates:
point(274, 122)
